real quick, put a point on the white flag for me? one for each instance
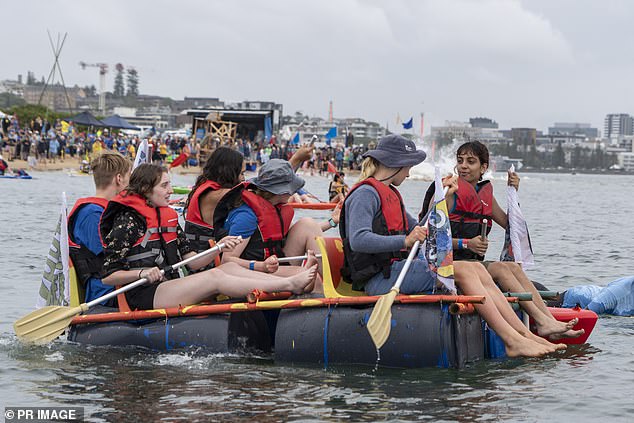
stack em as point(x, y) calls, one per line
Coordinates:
point(141, 154)
point(55, 285)
point(517, 243)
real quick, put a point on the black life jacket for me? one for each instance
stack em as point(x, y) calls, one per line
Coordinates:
point(157, 247)
point(358, 267)
point(471, 206)
point(273, 222)
point(87, 265)
point(197, 230)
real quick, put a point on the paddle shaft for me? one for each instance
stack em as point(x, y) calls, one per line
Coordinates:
point(141, 281)
point(483, 228)
point(287, 259)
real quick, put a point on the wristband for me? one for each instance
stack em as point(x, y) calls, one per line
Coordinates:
point(140, 271)
point(460, 247)
point(464, 244)
point(332, 223)
point(252, 265)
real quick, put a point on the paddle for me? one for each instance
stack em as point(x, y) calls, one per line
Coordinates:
point(483, 230)
point(380, 321)
point(47, 323)
point(287, 259)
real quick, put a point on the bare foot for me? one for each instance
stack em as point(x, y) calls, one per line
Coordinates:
point(303, 281)
point(526, 348)
point(553, 347)
point(555, 329)
point(311, 260)
point(567, 334)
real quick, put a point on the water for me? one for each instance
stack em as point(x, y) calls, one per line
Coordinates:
point(581, 232)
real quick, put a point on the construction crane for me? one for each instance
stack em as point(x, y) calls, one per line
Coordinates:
point(103, 69)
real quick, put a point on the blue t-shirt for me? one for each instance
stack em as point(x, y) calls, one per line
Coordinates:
point(241, 221)
point(86, 233)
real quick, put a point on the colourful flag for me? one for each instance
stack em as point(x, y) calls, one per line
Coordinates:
point(331, 167)
point(408, 124)
point(55, 286)
point(141, 154)
point(438, 248)
point(517, 242)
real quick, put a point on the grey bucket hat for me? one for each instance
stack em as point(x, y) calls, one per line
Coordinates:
point(277, 177)
point(396, 151)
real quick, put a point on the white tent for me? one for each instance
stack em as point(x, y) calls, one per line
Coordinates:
point(2, 114)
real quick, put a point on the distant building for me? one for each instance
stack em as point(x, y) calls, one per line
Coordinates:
point(55, 97)
point(362, 130)
point(618, 125)
point(524, 137)
point(573, 128)
point(465, 131)
point(482, 122)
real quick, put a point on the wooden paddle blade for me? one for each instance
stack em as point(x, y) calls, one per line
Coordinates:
point(380, 322)
point(45, 324)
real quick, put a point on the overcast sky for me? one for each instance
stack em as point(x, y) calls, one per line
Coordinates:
point(523, 63)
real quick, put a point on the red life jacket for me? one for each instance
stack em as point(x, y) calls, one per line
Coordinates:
point(471, 206)
point(157, 247)
point(274, 222)
point(392, 220)
point(87, 265)
point(197, 230)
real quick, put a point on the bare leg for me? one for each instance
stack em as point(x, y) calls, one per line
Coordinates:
point(301, 238)
point(228, 280)
point(515, 344)
point(494, 293)
point(512, 278)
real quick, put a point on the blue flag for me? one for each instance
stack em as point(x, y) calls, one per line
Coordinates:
point(332, 133)
point(408, 124)
point(268, 128)
point(295, 139)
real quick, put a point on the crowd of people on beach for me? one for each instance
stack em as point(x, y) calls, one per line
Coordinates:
point(41, 142)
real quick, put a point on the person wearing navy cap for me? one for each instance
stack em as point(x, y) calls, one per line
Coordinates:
point(377, 233)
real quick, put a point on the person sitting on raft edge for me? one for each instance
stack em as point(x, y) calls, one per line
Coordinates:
point(377, 231)
point(258, 211)
point(141, 236)
point(468, 206)
point(111, 174)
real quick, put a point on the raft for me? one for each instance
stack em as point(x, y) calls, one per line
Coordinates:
point(426, 330)
point(181, 190)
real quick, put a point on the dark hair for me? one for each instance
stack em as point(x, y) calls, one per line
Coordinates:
point(144, 178)
point(224, 166)
point(477, 149)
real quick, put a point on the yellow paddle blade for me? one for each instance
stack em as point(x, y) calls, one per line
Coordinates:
point(45, 324)
point(380, 321)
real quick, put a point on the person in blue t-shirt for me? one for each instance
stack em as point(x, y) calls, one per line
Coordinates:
point(111, 173)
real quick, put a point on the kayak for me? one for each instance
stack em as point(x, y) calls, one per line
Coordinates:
point(16, 177)
point(181, 190)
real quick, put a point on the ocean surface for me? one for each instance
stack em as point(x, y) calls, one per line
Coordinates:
point(581, 229)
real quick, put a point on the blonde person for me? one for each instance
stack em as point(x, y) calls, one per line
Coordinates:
point(377, 232)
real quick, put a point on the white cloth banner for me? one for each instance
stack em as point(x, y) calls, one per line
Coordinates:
point(141, 154)
point(517, 231)
point(55, 285)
